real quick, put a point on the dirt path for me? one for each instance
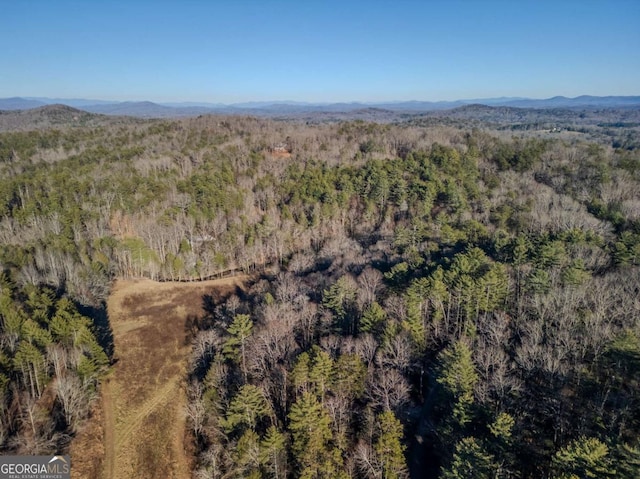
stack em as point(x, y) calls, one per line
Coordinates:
point(143, 401)
point(109, 441)
point(134, 421)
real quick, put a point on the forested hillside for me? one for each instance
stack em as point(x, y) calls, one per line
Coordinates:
point(432, 300)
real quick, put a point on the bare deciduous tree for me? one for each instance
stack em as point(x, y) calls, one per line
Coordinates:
point(388, 389)
point(74, 397)
point(369, 286)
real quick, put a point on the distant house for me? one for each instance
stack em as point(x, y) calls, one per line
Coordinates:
point(281, 149)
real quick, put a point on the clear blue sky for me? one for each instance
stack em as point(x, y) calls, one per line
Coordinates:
point(307, 50)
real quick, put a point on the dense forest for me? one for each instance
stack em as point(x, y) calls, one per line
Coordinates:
point(434, 298)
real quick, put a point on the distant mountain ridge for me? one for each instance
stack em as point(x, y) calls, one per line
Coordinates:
point(47, 116)
point(147, 109)
point(17, 103)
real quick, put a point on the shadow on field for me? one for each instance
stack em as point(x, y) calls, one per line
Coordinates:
point(103, 331)
point(210, 302)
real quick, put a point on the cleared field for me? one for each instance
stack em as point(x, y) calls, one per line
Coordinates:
point(138, 428)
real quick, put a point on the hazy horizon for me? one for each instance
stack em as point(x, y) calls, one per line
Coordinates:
point(285, 101)
point(368, 52)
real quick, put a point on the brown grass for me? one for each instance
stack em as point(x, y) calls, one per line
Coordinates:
point(139, 428)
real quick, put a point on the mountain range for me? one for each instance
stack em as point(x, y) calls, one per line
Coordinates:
point(147, 109)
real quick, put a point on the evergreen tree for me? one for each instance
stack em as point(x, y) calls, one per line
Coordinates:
point(247, 456)
point(349, 376)
point(246, 408)
point(627, 461)
point(470, 461)
point(321, 372)
point(500, 444)
point(457, 376)
point(300, 374)
point(30, 363)
point(583, 458)
point(373, 319)
point(414, 324)
point(273, 453)
point(340, 298)
point(389, 447)
point(235, 347)
point(310, 427)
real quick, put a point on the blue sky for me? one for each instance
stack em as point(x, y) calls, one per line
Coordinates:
point(307, 50)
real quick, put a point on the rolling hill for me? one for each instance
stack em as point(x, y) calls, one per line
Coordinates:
point(147, 109)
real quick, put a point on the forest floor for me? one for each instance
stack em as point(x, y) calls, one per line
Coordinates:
point(138, 428)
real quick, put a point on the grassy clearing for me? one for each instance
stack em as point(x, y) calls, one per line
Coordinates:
point(139, 426)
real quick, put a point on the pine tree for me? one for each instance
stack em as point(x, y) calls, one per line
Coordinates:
point(414, 324)
point(470, 461)
point(35, 334)
point(273, 453)
point(339, 298)
point(235, 347)
point(247, 456)
point(437, 293)
point(520, 252)
point(457, 376)
point(501, 444)
point(300, 373)
point(321, 372)
point(246, 408)
point(575, 273)
point(493, 288)
point(30, 363)
point(389, 447)
point(373, 319)
point(627, 460)
point(502, 427)
point(310, 427)
point(349, 376)
point(583, 458)
point(40, 304)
